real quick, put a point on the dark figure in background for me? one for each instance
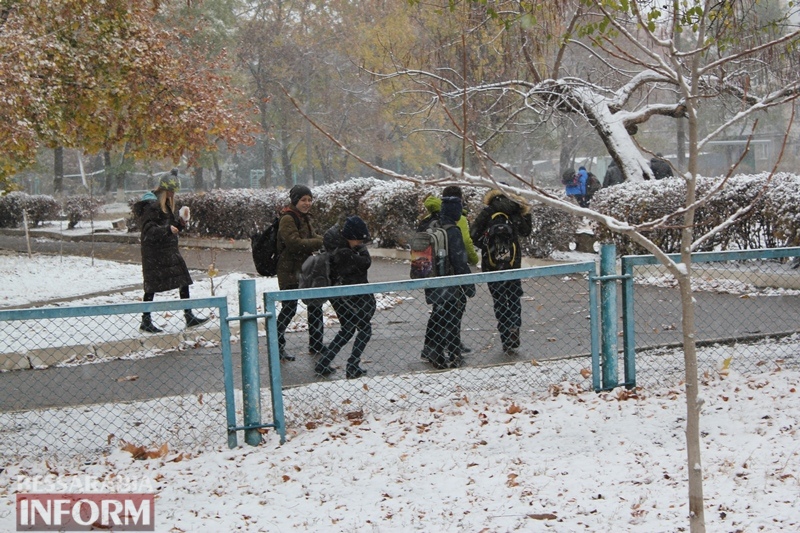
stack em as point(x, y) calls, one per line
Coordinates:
point(163, 267)
point(350, 261)
point(579, 190)
point(613, 175)
point(296, 241)
point(506, 295)
point(660, 167)
point(449, 303)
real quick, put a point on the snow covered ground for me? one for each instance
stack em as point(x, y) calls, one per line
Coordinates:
point(566, 460)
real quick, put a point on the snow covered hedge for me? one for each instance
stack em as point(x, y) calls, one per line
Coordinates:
point(391, 209)
point(39, 207)
point(771, 223)
point(80, 207)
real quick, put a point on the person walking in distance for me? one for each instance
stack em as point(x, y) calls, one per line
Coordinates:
point(497, 230)
point(163, 267)
point(297, 240)
point(350, 261)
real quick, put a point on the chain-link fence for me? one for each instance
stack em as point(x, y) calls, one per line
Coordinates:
point(520, 330)
point(741, 298)
point(87, 379)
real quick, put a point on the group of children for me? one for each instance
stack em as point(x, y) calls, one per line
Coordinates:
point(164, 269)
point(350, 262)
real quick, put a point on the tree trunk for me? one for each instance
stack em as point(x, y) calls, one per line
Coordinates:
point(58, 171)
point(109, 181)
point(697, 523)
point(267, 179)
point(286, 160)
point(199, 185)
point(217, 171)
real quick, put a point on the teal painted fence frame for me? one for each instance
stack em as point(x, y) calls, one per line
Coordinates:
point(219, 302)
point(628, 262)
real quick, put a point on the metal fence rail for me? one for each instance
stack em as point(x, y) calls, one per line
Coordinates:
point(558, 336)
point(84, 379)
point(78, 380)
point(741, 297)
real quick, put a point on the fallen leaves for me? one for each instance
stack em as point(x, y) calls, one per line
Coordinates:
point(141, 453)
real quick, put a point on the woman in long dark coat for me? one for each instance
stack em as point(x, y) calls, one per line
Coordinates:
point(163, 267)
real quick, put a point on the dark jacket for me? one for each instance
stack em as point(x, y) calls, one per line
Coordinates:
point(457, 255)
point(518, 212)
point(294, 246)
point(660, 168)
point(613, 175)
point(163, 267)
point(349, 266)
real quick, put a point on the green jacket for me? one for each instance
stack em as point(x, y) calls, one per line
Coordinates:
point(434, 204)
point(294, 246)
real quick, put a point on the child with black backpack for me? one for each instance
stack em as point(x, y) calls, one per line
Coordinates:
point(443, 347)
point(349, 263)
point(497, 230)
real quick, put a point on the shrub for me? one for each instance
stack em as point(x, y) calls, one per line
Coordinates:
point(39, 208)
point(77, 208)
point(770, 223)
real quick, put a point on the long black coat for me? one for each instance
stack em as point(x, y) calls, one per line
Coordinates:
point(163, 267)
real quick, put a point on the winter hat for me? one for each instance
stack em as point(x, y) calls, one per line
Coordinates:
point(297, 192)
point(355, 229)
point(453, 190)
point(170, 182)
point(451, 210)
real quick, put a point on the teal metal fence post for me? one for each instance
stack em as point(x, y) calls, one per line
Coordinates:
point(608, 305)
point(628, 330)
point(273, 356)
point(251, 378)
point(227, 375)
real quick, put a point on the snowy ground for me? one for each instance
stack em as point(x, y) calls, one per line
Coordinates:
point(566, 460)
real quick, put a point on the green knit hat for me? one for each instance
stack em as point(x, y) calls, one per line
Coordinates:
point(170, 182)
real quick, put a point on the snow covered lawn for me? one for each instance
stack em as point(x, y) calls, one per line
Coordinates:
point(566, 460)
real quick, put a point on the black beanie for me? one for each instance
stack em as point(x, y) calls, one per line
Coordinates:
point(297, 192)
point(355, 229)
point(453, 190)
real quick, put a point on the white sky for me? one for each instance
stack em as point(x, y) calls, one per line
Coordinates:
point(543, 461)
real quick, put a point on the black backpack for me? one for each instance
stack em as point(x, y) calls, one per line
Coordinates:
point(500, 240)
point(315, 272)
point(592, 185)
point(264, 245)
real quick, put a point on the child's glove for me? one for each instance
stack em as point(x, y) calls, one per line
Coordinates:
point(184, 213)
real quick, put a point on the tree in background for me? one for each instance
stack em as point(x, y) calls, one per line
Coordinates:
point(672, 59)
point(104, 75)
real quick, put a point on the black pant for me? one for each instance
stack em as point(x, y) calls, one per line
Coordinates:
point(506, 297)
point(443, 336)
point(355, 314)
point(183, 291)
point(316, 325)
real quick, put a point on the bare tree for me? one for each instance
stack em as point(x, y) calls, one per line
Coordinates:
point(734, 56)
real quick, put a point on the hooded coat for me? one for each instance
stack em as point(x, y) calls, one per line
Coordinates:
point(434, 204)
point(163, 267)
point(349, 266)
point(518, 212)
point(296, 241)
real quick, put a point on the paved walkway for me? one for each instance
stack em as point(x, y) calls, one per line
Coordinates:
point(548, 307)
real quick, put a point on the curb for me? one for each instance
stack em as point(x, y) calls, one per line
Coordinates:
point(212, 243)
